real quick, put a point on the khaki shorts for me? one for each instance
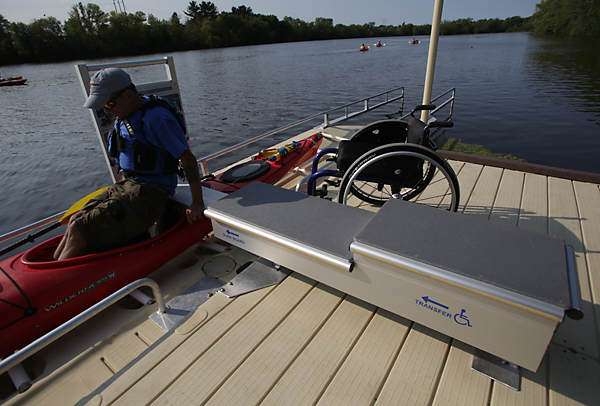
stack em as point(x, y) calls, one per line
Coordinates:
point(121, 215)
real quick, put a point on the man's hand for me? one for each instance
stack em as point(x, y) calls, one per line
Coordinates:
point(195, 212)
point(190, 166)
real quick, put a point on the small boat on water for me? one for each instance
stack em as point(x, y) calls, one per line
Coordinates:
point(38, 293)
point(414, 41)
point(13, 81)
point(363, 48)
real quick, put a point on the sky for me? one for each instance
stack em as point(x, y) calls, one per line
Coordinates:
point(392, 12)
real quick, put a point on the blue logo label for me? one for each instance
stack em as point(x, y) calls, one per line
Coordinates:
point(233, 236)
point(444, 311)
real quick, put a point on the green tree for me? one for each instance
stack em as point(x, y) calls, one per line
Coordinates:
point(208, 9)
point(567, 18)
point(176, 30)
point(192, 11)
point(241, 11)
point(8, 54)
point(83, 27)
point(323, 27)
point(126, 34)
point(205, 9)
point(42, 40)
point(21, 39)
point(91, 32)
point(86, 19)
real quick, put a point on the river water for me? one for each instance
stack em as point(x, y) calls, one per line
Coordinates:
point(537, 99)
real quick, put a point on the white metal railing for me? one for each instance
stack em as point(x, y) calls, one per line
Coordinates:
point(451, 93)
point(389, 98)
point(34, 226)
point(35, 346)
point(451, 96)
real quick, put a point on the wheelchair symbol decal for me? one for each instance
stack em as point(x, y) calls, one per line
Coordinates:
point(462, 319)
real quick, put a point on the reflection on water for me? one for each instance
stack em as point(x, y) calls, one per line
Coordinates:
point(575, 66)
point(537, 99)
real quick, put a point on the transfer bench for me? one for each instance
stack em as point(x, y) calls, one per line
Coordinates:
point(498, 288)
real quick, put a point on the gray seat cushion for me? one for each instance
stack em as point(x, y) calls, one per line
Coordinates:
point(309, 220)
point(501, 255)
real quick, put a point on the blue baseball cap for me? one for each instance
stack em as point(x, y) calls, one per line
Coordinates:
point(104, 84)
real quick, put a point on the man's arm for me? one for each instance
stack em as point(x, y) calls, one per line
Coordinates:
point(192, 173)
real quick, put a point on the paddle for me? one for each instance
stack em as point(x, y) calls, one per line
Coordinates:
point(75, 207)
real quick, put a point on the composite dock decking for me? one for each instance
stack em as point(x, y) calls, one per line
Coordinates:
point(304, 343)
point(301, 342)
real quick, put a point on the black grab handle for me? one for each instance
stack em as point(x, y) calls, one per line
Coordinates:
point(440, 124)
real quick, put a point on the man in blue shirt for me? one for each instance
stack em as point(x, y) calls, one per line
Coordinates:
point(147, 143)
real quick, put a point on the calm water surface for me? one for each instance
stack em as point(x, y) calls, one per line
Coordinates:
point(536, 99)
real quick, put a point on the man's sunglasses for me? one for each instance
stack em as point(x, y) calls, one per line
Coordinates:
point(112, 101)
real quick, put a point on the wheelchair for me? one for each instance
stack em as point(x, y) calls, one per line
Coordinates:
point(389, 159)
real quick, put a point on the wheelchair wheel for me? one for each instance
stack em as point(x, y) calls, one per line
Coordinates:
point(437, 186)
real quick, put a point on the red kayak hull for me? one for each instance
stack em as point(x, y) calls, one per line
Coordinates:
point(37, 294)
point(307, 149)
point(40, 294)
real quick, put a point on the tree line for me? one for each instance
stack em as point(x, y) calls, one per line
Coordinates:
point(568, 18)
point(90, 32)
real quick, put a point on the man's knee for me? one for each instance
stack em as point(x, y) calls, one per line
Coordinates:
point(75, 237)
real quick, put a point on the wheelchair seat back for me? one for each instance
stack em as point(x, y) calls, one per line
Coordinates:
point(416, 131)
point(398, 171)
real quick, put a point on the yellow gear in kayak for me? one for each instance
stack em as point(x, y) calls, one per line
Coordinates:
point(275, 154)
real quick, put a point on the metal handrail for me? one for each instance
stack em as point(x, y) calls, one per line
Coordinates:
point(450, 99)
point(25, 229)
point(326, 122)
point(26, 352)
point(134, 64)
point(452, 92)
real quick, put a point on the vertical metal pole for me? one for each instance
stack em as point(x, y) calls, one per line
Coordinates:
point(84, 81)
point(433, 45)
point(204, 167)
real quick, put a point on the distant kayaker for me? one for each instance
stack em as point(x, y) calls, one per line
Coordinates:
point(148, 140)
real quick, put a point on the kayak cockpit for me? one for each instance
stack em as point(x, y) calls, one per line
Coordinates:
point(173, 219)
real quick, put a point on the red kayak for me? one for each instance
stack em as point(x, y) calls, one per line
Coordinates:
point(38, 293)
point(268, 166)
